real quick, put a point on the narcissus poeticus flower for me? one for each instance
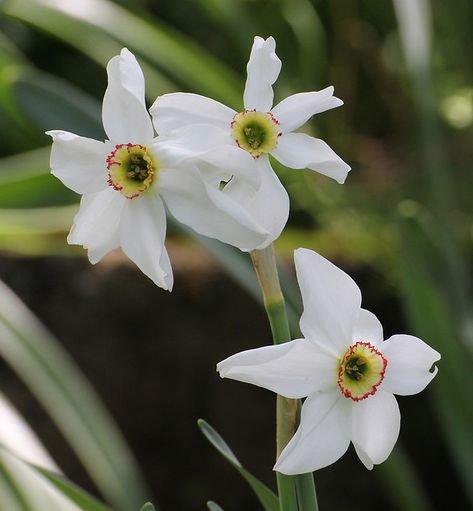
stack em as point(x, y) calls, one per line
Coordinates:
point(343, 368)
point(259, 130)
point(125, 179)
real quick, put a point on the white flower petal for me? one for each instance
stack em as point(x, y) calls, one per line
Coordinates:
point(331, 301)
point(96, 224)
point(207, 210)
point(375, 427)
point(142, 235)
point(409, 362)
point(193, 141)
point(176, 111)
point(80, 163)
point(269, 205)
point(296, 110)
point(300, 151)
point(368, 329)
point(323, 435)
point(124, 113)
point(263, 70)
point(293, 369)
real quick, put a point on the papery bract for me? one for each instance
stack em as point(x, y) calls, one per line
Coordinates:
point(125, 179)
point(199, 123)
point(343, 368)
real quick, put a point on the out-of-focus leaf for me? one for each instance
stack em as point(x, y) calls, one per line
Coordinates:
point(58, 384)
point(77, 495)
point(52, 103)
point(428, 308)
point(213, 506)
point(267, 498)
point(18, 437)
point(39, 231)
point(165, 48)
point(26, 489)
point(148, 507)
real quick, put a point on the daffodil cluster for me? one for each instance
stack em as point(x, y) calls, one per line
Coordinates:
point(210, 166)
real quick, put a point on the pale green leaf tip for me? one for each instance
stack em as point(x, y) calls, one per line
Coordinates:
point(148, 507)
point(212, 506)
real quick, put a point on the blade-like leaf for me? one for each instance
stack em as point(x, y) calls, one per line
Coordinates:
point(75, 494)
point(213, 506)
point(58, 384)
point(148, 507)
point(428, 307)
point(267, 498)
point(166, 49)
point(28, 490)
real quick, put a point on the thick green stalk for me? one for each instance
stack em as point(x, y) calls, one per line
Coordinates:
point(264, 262)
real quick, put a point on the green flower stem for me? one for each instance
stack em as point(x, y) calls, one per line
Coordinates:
point(291, 489)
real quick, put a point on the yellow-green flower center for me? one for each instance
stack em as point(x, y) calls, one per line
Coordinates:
point(256, 132)
point(131, 169)
point(361, 371)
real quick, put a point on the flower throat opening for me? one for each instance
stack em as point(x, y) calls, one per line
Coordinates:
point(255, 132)
point(131, 169)
point(361, 371)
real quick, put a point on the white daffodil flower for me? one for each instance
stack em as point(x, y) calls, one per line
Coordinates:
point(343, 368)
point(124, 179)
point(200, 123)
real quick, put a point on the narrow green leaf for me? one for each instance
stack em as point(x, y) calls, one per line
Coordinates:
point(428, 307)
point(267, 498)
point(162, 46)
point(76, 494)
point(58, 384)
point(213, 506)
point(30, 489)
point(148, 507)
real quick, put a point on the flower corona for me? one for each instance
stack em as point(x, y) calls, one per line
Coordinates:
point(131, 169)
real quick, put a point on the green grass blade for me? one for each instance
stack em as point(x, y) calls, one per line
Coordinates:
point(428, 308)
point(266, 497)
point(148, 507)
point(212, 506)
point(73, 492)
point(28, 490)
point(58, 384)
point(177, 56)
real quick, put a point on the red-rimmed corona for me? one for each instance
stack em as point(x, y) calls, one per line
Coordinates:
point(361, 371)
point(255, 132)
point(131, 169)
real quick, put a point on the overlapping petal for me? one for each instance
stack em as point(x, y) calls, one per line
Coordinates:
point(195, 140)
point(124, 114)
point(207, 210)
point(331, 301)
point(79, 162)
point(142, 235)
point(296, 110)
point(375, 427)
point(294, 369)
point(368, 329)
point(323, 435)
point(269, 204)
point(181, 109)
point(410, 364)
point(263, 70)
point(97, 222)
point(300, 151)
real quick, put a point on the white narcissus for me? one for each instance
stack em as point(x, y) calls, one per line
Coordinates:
point(200, 123)
point(124, 179)
point(343, 368)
